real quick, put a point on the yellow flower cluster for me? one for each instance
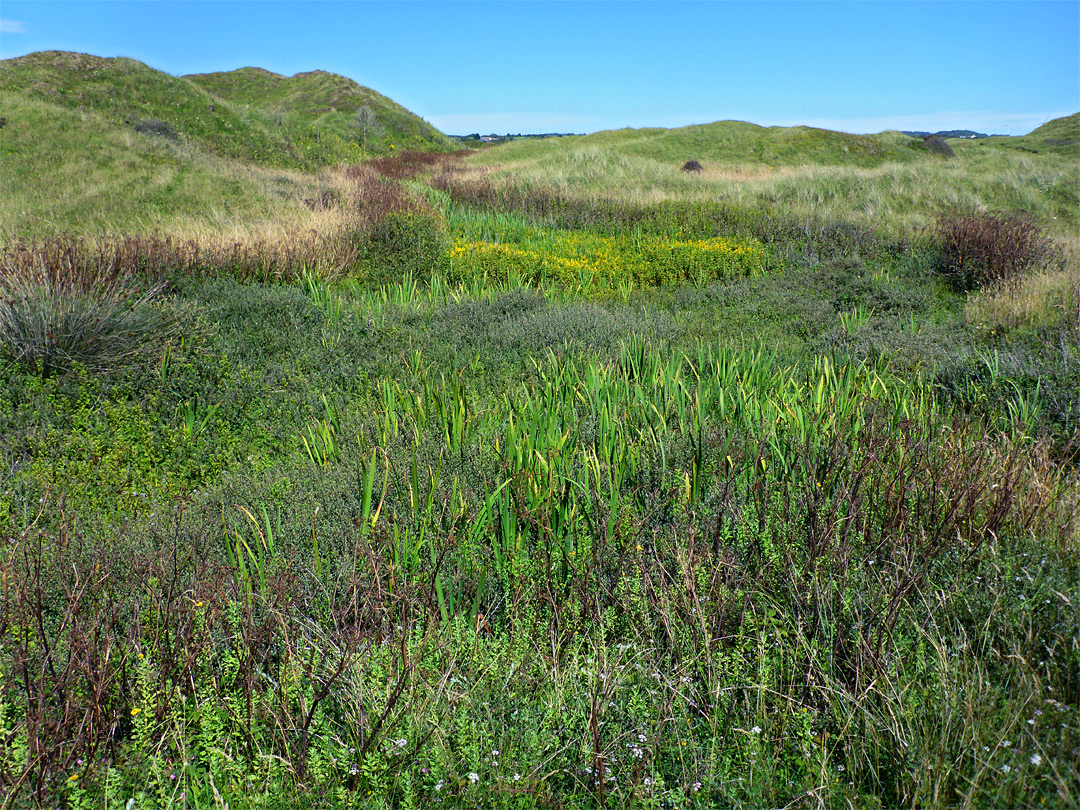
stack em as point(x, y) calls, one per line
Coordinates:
point(597, 263)
point(717, 245)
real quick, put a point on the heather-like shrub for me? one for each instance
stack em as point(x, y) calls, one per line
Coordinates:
point(693, 166)
point(937, 145)
point(981, 249)
point(412, 162)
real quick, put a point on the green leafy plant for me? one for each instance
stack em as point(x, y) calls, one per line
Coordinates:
point(403, 243)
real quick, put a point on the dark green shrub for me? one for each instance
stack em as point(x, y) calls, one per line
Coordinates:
point(470, 323)
point(693, 166)
point(981, 249)
point(152, 126)
point(403, 243)
point(937, 145)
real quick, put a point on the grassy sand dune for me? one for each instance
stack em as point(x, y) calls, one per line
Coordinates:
point(886, 180)
point(332, 102)
point(93, 145)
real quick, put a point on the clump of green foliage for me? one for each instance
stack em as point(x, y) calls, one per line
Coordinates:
point(937, 145)
point(402, 244)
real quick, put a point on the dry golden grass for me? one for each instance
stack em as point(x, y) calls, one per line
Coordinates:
point(1047, 297)
point(893, 196)
point(320, 231)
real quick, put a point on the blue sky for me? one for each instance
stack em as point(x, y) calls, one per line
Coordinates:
point(998, 67)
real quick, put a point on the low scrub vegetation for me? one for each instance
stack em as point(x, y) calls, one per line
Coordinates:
point(983, 249)
point(603, 265)
point(491, 495)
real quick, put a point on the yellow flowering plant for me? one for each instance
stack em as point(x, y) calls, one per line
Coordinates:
point(598, 264)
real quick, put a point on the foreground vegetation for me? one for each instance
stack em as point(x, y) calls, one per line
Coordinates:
point(498, 492)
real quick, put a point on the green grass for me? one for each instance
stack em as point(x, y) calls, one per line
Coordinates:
point(331, 102)
point(886, 180)
point(728, 142)
point(127, 93)
point(72, 171)
point(753, 509)
point(1060, 136)
point(95, 145)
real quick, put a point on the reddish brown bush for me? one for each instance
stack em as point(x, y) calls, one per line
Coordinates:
point(412, 162)
point(981, 249)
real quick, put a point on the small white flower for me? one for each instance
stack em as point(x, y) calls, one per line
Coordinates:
point(517, 777)
point(1036, 759)
point(439, 785)
point(401, 743)
point(1005, 769)
point(642, 737)
point(1005, 743)
point(755, 730)
point(474, 777)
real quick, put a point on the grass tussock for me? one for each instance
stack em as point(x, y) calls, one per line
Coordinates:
point(1044, 298)
point(61, 306)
